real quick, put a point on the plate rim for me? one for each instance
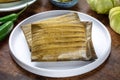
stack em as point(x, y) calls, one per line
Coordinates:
point(17, 7)
point(59, 71)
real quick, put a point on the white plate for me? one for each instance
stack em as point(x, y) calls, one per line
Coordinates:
point(21, 54)
point(4, 7)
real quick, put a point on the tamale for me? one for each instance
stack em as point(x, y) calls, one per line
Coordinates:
point(66, 18)
point(61, 38)
point(56, 43)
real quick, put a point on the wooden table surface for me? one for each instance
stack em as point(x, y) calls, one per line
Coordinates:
point(109, 70)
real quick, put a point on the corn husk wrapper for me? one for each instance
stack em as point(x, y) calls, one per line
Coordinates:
point(61, 38)
point(62, 42)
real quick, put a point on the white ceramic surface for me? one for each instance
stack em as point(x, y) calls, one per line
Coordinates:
point(21, 54)
point(5, 7)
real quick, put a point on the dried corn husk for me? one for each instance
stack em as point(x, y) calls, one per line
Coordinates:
point(56, 43)
point(61, 38)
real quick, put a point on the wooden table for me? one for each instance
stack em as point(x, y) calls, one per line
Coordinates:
point(109, 70)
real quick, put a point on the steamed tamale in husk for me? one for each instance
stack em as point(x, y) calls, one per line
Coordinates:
point(61, 38)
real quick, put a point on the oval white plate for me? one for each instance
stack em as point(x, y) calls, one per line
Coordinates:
point(21, 54)
point(5, 7)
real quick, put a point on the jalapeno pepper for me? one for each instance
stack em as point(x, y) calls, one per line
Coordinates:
point(5, 29)
point(11, 17)
point(6, 23)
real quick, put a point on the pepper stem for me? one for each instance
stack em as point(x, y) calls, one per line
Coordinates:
point(22, 10)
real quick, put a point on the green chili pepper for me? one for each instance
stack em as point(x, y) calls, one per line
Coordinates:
point(7, 23)
point(5, 29)
point(11, 17)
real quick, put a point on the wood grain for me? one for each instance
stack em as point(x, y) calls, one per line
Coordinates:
point(109, 70)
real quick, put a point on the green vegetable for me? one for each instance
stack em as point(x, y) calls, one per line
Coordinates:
point(5, 29)
point(7, 23)
point(11, 17)
point(92, 4)
point(114, 17)
point(113, 10)
point(116, 2)
point(103, 6)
